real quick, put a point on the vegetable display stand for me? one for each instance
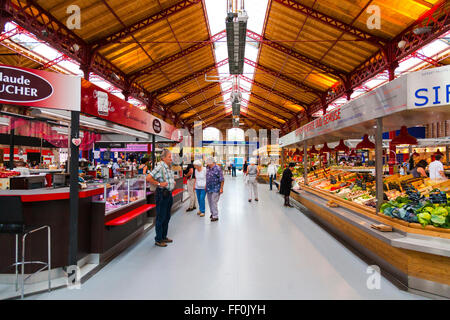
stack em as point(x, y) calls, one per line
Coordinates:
point(414, 258)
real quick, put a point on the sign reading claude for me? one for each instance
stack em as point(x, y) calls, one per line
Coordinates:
point(36, 88)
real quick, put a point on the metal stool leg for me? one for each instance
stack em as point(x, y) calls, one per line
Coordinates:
point(16, 262)
point(49, 245)
point(23, 266)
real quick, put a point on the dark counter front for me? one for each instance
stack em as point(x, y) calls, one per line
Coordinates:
point(48, 207)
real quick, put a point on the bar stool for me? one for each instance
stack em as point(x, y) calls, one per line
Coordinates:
point(12, 222)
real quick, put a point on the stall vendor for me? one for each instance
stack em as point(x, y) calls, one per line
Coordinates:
point(116, 166)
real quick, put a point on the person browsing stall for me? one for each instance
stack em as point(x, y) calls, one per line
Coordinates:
point(189, 174)
point(419, 169)
point(214, 187)
point(162, 176)
point(200, 186)
point(286, 183)
point(436, 169)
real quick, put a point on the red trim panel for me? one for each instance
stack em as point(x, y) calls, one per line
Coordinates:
point(59, 196)
point(176, 192)
point(130, 215)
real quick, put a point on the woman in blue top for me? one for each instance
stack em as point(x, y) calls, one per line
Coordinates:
point(143, 167)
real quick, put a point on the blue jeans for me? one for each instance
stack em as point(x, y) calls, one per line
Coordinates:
point(271, 178)
point(163, 209)
point(233, 172)
point(201, 194)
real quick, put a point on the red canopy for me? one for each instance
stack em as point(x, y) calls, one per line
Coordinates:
point(365, 143)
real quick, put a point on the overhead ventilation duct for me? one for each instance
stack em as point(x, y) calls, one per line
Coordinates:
point(236, 98)
point(236, 109)
point(236, 28)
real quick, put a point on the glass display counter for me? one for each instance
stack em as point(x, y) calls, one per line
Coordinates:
point(121, 192)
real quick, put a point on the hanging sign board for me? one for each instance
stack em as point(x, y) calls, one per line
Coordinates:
point(37, 88)
point(99, 103)
point(429, 88)
point(380, 102)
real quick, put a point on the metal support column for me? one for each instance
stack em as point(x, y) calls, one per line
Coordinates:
point(379, 163)
point(153, 151)
point(447, 149)
point(73, 218)
point(11, 147)
point(305, 162)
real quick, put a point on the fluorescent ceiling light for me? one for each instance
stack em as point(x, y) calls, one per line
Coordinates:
point(89, 122)
point(65, 131)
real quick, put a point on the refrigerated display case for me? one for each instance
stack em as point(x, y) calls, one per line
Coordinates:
point(121, 192)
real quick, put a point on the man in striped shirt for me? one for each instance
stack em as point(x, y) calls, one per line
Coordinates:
point(162, 176)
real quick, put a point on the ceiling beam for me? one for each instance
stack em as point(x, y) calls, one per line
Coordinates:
point(207, 112)
point(295, 54)
point(275, 92)
point(192, 94)
point(257, 115)
point(200, 104)
point(283, 77)
point(200, 45)
point(144, 23)
point(266, 125)
point(332, 22)
point(266, 110)
point(188, 78)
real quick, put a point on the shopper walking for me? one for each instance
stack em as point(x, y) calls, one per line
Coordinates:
point(214, 187)
point(272, 172)
point(200, 186)
point(233, 169)
point(162, 176)
point(244, 168)
point(189, 174)
point(286, 184)
point(252, 175)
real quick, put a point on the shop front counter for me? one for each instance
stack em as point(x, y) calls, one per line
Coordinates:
point(50, 207)
point(414, 258)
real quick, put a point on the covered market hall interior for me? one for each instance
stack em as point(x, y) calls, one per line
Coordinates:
point(340, 110)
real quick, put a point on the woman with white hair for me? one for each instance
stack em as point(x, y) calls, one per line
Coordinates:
point(200, 186)
point(252, 174)
point(214, 187)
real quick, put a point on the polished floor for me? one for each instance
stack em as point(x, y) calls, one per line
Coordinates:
point(257, 250)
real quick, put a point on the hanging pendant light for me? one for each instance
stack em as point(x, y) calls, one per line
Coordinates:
point(325, 149)
point(365, 143)
point(438, 152)
point(313, 150)
point(342, 147)
point(415, 154)
point(404, 137)
point(353, 153)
